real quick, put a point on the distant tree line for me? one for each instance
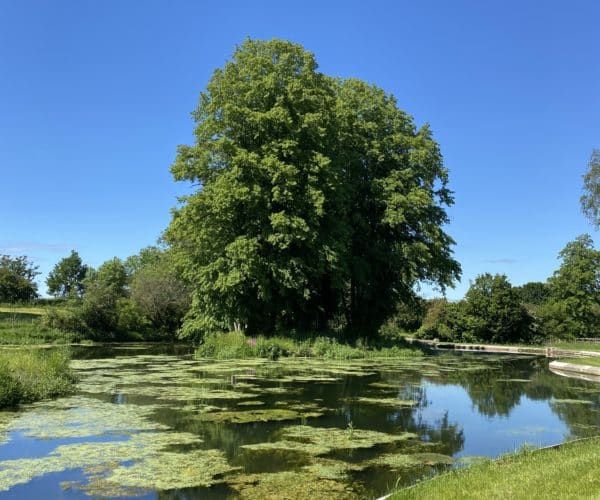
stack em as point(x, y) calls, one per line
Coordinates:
point(566, 306)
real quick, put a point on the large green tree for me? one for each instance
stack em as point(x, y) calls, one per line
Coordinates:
point(17, 279)
point(67, 276)
point(590, 200)
point(573, 309)
point(317, 200)
point(495, 310)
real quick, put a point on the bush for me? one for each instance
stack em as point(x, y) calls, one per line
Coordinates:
point(65, 320)
point(225, 346)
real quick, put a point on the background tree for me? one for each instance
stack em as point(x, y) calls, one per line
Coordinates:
point(104, 290)
point(66, 279)
point(17, 275)
point(496, 309)
point(534, 292)
point(574, 306)
point(318, 199)
point(157, 290)
point(590, 200)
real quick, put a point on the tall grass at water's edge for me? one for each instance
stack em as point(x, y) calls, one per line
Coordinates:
point(30, 375)
point(234, 345)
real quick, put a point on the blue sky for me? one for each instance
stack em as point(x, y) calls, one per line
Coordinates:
point(96, 95)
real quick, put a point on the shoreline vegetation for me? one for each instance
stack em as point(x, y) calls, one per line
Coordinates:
point(28, 375)
point(569, 470)
point(236, 345)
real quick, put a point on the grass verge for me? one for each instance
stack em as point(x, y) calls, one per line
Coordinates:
point(30, 375)
point(568, 471)
point(234, 345)
point(19, 327)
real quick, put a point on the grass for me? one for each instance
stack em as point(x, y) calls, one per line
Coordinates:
point(235, 345)
point(576, 346)
point(24, 326)
point(569, 471)
point(37, 311)
point(30, 375)
point(582, 361)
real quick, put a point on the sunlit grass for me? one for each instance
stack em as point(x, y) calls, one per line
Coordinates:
point(570, 471)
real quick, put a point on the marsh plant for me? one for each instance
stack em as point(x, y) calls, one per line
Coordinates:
point(31, 375)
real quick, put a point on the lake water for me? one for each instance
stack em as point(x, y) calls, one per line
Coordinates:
point(152, 422)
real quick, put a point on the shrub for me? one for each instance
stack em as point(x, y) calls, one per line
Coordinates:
point(65, 320)
point(27, 376)
point(225, 346)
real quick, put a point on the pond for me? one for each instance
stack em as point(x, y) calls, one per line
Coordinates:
point(152, 422)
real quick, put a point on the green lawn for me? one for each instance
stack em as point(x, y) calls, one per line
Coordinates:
point(569, 471)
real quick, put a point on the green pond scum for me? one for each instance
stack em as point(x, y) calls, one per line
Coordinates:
point(145, 420)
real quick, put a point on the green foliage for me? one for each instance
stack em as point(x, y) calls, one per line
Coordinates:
point(66, 279)
point(573, 309)
point(17, 277)
point(233, 345)
point(496, 311)
point(228, 345)
point(491, 312)
point(27, 376)
point(65, 319)
point(158, 292)
point(104, 288)
point(534, 292)
point(320, 201)
point(590, 200)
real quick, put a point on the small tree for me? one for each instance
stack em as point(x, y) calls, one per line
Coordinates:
point(161, 297)
point(103, 290)
point(67, 277)
point(17, 277)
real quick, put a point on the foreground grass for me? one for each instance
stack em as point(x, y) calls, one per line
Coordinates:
point(582, 361)
point(569, 471)
point(20, 327)
point(31, 375)
point(235, 345)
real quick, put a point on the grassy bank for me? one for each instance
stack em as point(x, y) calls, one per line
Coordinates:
point(236, 345)
point(569, 471)
point(23, 326)
point(31, 375)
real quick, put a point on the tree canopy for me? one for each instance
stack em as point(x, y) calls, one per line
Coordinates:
point(319, 202)
point(590, 200)
point(574, 304)
point(17, 275)
point(67, 277)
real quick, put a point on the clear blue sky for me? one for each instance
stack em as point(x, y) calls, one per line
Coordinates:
point(96, 95)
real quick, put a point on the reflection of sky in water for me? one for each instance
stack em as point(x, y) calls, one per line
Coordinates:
point(528, 422)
